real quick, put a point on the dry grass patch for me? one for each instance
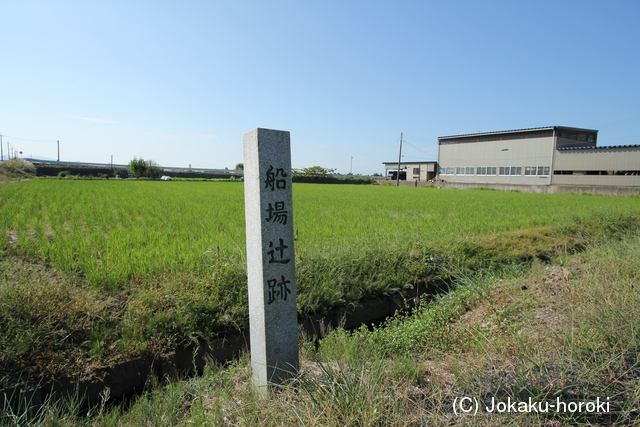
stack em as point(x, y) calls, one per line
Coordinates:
point(566, 331)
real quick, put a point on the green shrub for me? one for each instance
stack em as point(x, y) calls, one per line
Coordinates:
point(141, 168)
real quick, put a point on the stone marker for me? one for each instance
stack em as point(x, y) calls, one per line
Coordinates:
point(273, 318)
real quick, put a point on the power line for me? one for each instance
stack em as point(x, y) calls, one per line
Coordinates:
point(418, 149)
point(29, 140)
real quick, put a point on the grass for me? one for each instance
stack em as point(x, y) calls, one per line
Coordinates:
point(566, 331)
point(545, 332)
point(92, 272)
point(15, 170)
point(120, 233)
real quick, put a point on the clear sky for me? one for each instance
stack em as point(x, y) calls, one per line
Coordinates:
point(180, 82)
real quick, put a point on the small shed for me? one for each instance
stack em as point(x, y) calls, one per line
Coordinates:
point(411, 171)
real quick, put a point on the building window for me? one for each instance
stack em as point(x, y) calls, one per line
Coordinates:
point(536, 170)
point(488, 170)
point(464, 170)
point(579, 135)
point(416, 171)
point(480, 170)
point(510, 170)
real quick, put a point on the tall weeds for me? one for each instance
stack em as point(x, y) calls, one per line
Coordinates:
point(127, 268)
point(566, 330)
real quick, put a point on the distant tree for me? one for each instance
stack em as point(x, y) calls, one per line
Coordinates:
point(144, 168)
point(318, 171)
point(240, 167)
point(137, 167)
point(153, 170)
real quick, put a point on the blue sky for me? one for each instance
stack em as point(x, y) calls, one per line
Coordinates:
point(180, 82)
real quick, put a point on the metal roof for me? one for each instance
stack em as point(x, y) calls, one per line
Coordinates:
point(603, 147)
point(410, 163)
point(516, 130)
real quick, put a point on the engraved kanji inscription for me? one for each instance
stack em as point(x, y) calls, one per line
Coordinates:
point(278, 290)
point(276, 180)
point(277, 253)
point(277, 213)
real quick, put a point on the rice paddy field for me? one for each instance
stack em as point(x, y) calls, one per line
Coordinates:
point(92, 271)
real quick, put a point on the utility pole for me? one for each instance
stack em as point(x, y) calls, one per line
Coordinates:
point(399, 159)
point(58, 150)
point(351, 169)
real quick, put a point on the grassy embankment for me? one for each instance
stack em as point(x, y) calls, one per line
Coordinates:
point(565, 332)
point(96, 271)
point(15, 170)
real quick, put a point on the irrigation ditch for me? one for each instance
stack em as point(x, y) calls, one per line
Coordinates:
point(130, 377)
point(133, 376)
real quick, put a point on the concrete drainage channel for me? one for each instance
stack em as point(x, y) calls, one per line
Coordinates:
point(130, 377)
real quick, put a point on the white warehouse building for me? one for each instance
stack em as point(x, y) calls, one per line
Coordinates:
point(554, 155)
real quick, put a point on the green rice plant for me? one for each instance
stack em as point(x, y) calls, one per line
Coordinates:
point(351, 378)
point(167, 259)
point(116, 234)
point(121, 232)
